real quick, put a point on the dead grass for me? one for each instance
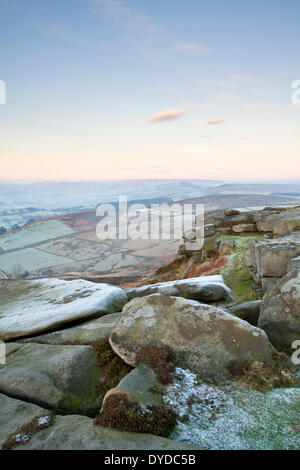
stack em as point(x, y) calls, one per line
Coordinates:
point(120, 413)
point(25, 433)
point(262, 375)
point(161, 360)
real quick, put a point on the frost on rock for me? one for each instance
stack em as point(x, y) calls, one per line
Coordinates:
point(44, 420)
point(29, 307)
point(232, 416)
point(22, 438)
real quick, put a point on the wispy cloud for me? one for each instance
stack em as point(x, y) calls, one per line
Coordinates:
point(227, 97)
point(191, 49)
point(214, 122)
point(140, 31)
point(248, 80)
point(59, 32)
point(167, 115)
point(119, 11)
point(215, 83)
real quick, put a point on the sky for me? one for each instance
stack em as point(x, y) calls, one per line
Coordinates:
point(135, 89)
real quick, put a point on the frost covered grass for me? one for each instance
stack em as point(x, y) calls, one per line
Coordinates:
point(37, 233)
point(232, 416)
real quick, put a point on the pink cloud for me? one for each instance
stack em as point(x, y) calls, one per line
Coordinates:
point(214, 122)
point(167, 115)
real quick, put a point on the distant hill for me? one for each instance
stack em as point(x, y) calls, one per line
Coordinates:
point(224, 201)
point(257, 188)
point(63, 196)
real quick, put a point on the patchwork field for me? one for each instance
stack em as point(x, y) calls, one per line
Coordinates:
point(35, 233)
point(68, 246)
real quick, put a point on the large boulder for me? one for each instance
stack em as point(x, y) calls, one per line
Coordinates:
point(280, 312)
point(242, 228)
point(280, 223)
point(230, 212)
point(205, 288)
point(204, 338)
point(270, 257)
point(61, 378)
point(86, 333)
point(16, 415)
point(31, 307)
point(248, 311)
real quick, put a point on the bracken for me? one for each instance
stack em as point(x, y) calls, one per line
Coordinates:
point(264, 375)
point(120, 413)
point(161, 360)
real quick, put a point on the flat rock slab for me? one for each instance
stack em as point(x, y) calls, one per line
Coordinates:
point(204, 338)
point(15, 414)
point(75, 432)
point(205, 288)
point(87, 333)
point(60, 378)
point(32, 307)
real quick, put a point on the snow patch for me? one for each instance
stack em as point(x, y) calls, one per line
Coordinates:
point(232, 416)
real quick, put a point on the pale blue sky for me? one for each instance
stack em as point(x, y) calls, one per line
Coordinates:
point(83, 78)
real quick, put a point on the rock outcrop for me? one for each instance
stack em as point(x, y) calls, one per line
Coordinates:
point(270, 221)
point(24, 426)
point(205, 288)
point(85, 333)
point(79, 433)
point(16, 415)
point(205, 339)
point(268, 259)
point(60, 378)
point(248, 311)
point(280, 312)
point(31, 307)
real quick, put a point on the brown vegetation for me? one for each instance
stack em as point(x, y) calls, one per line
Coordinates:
point(120, 413)
point(161, 360)
point(24, 433)
point(112, 368)
point(263, 375)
